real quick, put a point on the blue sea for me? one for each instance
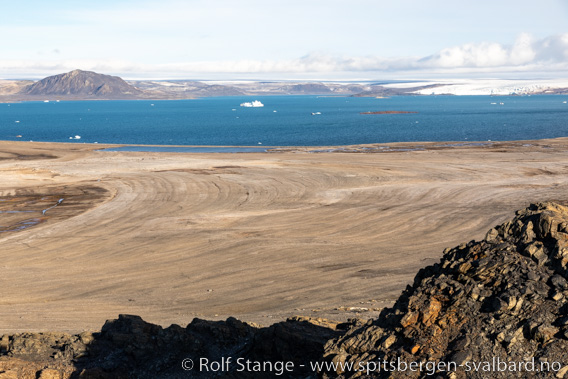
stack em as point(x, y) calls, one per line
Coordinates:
point(287, 120)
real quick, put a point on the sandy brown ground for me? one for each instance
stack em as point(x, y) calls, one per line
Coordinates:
point(257, 236)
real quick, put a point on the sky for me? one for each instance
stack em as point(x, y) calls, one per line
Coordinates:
point(285, 39)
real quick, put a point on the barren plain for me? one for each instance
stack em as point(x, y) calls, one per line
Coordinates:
point(258, 236)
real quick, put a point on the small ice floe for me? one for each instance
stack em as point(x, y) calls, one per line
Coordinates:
point(17, 121)
point(151, 105)
point(564, 102)
point(274, 111)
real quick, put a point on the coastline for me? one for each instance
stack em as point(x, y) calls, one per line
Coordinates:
point(258, 236)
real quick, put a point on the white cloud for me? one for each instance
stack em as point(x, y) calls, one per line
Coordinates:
point(526, 54)
point(469, 55)
point(522, 51)
point(526, 51)
point(553, 49)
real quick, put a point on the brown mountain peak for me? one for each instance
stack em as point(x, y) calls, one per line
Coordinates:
point(79, 84)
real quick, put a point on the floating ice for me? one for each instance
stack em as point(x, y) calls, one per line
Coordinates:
point(254, 104)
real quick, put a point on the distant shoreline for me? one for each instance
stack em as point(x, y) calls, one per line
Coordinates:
point(88, 85)
point(256, 149)
point(62, 99)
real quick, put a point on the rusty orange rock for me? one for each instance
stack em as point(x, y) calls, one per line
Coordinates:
point(431, 313)
point(410, 318)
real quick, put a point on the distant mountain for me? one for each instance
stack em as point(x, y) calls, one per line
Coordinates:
point(183, 89)
point(10, 87)
point(88, 85)
point(307, 89)
point(80, 84)
point(299, 88)
point(382, 91)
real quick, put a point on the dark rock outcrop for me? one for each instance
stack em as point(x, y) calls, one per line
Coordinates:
point(129, 347)
point(496, 308)
point(503, 299)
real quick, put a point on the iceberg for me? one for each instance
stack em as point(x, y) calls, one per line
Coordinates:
point(254, 104)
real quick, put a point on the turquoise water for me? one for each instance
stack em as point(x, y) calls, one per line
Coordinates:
point(287, 120)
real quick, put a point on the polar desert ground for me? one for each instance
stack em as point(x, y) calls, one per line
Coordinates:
point(258, 236)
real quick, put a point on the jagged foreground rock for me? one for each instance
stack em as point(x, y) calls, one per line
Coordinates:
point(499, 302)
point(129, 347)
